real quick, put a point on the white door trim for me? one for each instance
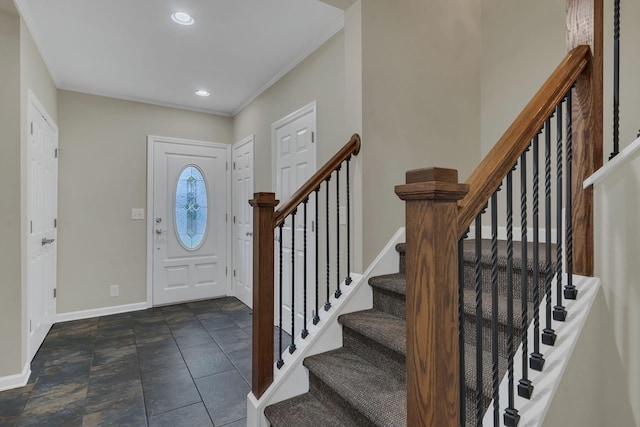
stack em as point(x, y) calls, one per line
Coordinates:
point(32, 100)
point(283, 122)
point(151, 140)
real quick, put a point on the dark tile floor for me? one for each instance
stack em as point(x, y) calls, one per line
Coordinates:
point(180, 365)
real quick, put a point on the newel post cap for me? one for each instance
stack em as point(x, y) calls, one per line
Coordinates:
point(438, 184)
point(264, 200)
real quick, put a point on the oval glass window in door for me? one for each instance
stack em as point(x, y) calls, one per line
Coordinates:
point(191, 207)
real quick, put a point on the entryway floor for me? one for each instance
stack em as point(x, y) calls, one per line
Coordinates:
point(180, 365)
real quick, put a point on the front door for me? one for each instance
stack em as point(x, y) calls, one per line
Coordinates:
point(42, 232)
point(295, 150)
point(189, 217)
point(242, 158)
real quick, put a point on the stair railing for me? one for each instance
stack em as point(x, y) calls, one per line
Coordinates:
point(268, 235)
point(444, 222)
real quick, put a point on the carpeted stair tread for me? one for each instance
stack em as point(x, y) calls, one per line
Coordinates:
point(381, 327)
point(487, 307)
point(469, 251)
point(394, 283)
point(375, 394)
point(487, 368)
point(303, 410)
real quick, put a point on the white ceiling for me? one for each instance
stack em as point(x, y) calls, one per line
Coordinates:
point(133, 50)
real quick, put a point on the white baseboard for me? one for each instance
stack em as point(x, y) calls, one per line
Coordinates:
point(17, 380)
point(97, 312)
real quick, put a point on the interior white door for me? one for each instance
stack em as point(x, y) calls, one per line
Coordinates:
point(242, 192)
point(189, 222)
point(295, 150)
point(42, 208)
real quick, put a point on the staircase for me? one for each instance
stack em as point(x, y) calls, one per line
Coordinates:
point(363, 382)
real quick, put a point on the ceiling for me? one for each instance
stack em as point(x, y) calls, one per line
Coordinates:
point(133, 50)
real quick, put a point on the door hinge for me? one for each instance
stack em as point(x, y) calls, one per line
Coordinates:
point(55, 153)
point(227, 166)
point(234, 165)
point(313, 226)
point(55, 223)
point(30, 326)
point(55, 292)
point(313, 137)
point(234, 272)
point(226, 271)
point(31, 128)
point(226, 217)
point(31, 226)
point(234, 219)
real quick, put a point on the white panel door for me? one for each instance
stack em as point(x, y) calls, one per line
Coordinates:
point(242, 192)
point(295, 151)
point(42, 207)
point(189, 228)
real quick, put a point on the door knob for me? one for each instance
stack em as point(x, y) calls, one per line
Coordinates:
point(158, 220)
point(249, 233)
point(46, 241)
point(158, 231)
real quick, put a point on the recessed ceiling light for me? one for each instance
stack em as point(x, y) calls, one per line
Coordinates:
point(183, 18)
point(202, 93)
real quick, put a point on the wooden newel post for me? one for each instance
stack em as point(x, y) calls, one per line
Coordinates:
point(585, 26)
point(262, 340)
point(433, 397)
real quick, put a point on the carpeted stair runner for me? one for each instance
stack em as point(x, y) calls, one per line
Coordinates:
point(363, 383)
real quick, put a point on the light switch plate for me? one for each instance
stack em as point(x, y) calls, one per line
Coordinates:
point(137, 213)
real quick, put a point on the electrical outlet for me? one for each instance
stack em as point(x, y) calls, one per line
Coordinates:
point(342, 215)
point(137, 213)
point(115, 290)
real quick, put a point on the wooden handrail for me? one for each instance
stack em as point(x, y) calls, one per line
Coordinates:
point(487, 177)
point(350, 148)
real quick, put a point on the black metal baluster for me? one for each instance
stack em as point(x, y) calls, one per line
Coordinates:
point(548, 334)
point(559, 311)
point(338, 292)
point(536, 362)
point(525, 386)
point(616, 79)
point(461, 327)
point(292, 346)
point(327, 304)
point(570, 291)
point(304, 333)
point(280, 362)
point(511, 416)
point(347, 280)
point(494, 308)
point(478, 292)
point(316, 314)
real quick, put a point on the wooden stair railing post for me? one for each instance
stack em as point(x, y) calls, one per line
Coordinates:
point(431, 197)
point(263, 298)
point(585, 27)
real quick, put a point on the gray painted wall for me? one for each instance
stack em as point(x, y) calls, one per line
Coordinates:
point(103, 175)
point(10, 272)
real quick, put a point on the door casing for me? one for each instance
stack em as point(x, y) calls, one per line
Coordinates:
point(151, 141)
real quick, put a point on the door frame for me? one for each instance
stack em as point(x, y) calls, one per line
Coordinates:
point(283, 122)
point(248, 140)
point(32, 102)
point(151, 141)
